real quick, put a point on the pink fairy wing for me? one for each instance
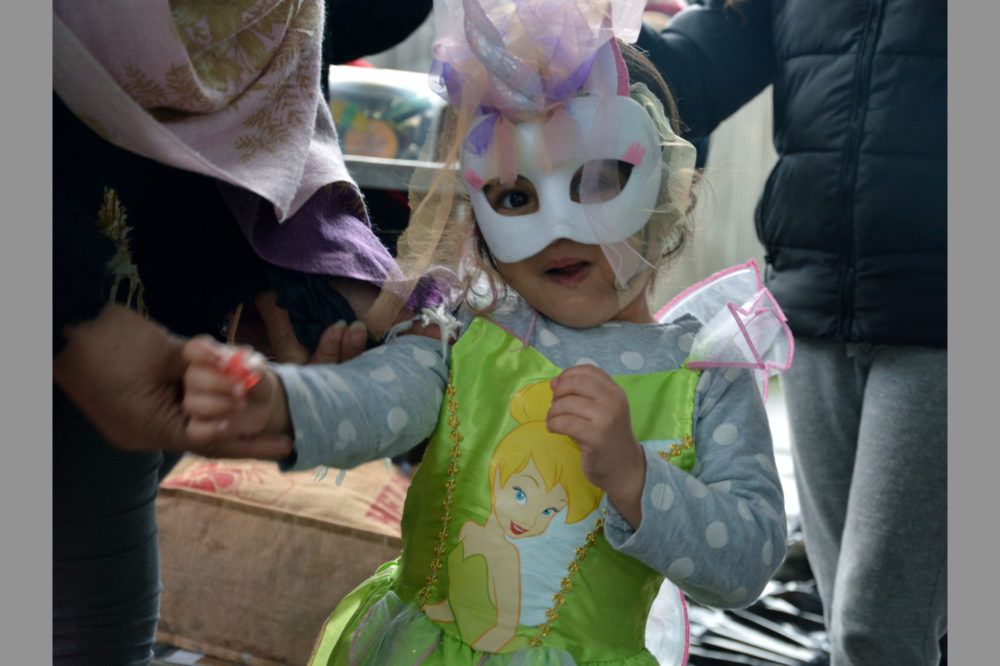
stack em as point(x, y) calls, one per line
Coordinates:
point(744, 326)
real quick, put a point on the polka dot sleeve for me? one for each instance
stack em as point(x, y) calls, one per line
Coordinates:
point(379, 404)
point(719, 532)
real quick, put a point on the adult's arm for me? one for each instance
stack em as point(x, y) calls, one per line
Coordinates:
point(714, 60)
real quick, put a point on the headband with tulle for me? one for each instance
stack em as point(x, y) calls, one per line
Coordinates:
point(519, 57)
point(500, 62)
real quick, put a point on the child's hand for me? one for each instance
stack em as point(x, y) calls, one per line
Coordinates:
point(231, 396)
point(590, 407)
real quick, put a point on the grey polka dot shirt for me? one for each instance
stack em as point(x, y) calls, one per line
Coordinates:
point(717, 533)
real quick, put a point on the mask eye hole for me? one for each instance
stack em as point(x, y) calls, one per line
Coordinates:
point(517, 199)
point(606, 179)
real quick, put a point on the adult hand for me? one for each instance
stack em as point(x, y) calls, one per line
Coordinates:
point(231, 393)
point(590, 407)
point(337, 344)
point(124, 372)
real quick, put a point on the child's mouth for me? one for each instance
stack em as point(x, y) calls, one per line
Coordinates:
point(517, 529)
point(570, 273)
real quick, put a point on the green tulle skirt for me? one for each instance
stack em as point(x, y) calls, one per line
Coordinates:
point(372, 626)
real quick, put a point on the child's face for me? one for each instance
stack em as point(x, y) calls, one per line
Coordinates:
point(591, 172)
point(573, 284)
point(522, 505)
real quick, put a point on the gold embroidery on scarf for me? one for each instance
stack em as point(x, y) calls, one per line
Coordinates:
point(455, 453)
point(225, 41)
point(283, 101)
point(254, 53)
point(113, 222)
point(142, 88)
point(187, 88)
point(566, 585)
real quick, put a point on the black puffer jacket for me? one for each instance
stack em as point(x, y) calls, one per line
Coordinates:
point(854, 213)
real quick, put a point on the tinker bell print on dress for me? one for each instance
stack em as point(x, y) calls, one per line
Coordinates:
point(583, 452)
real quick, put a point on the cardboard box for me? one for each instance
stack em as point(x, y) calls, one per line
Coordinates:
point(254, 560)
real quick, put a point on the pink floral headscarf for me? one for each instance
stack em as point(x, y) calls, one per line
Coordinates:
point(230, 90)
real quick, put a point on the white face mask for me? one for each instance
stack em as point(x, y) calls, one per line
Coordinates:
point(593, 132)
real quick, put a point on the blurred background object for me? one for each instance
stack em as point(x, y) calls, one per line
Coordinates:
point(384, 113)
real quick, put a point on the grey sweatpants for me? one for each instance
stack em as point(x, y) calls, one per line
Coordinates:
point(869, 443)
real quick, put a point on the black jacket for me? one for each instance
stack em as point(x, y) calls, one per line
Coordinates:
point(853, 215)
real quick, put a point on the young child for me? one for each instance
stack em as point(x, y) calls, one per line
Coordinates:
point(581, 452)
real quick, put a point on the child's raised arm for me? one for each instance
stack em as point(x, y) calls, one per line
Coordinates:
point(719, 532)
point(590, 407)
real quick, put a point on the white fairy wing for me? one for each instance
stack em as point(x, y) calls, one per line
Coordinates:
point(743, 326)
point(667, 628)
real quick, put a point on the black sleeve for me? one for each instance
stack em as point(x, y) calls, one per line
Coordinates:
point(80, 252)
point(714, 60)
point(190, 259)
point(356, 28)
point(80, 284)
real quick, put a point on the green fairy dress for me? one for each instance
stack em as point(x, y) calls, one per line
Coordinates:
point(504, 558)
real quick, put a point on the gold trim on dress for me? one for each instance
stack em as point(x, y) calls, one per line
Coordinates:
point(687, 442)
point(455, 453)
point(566, 585)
